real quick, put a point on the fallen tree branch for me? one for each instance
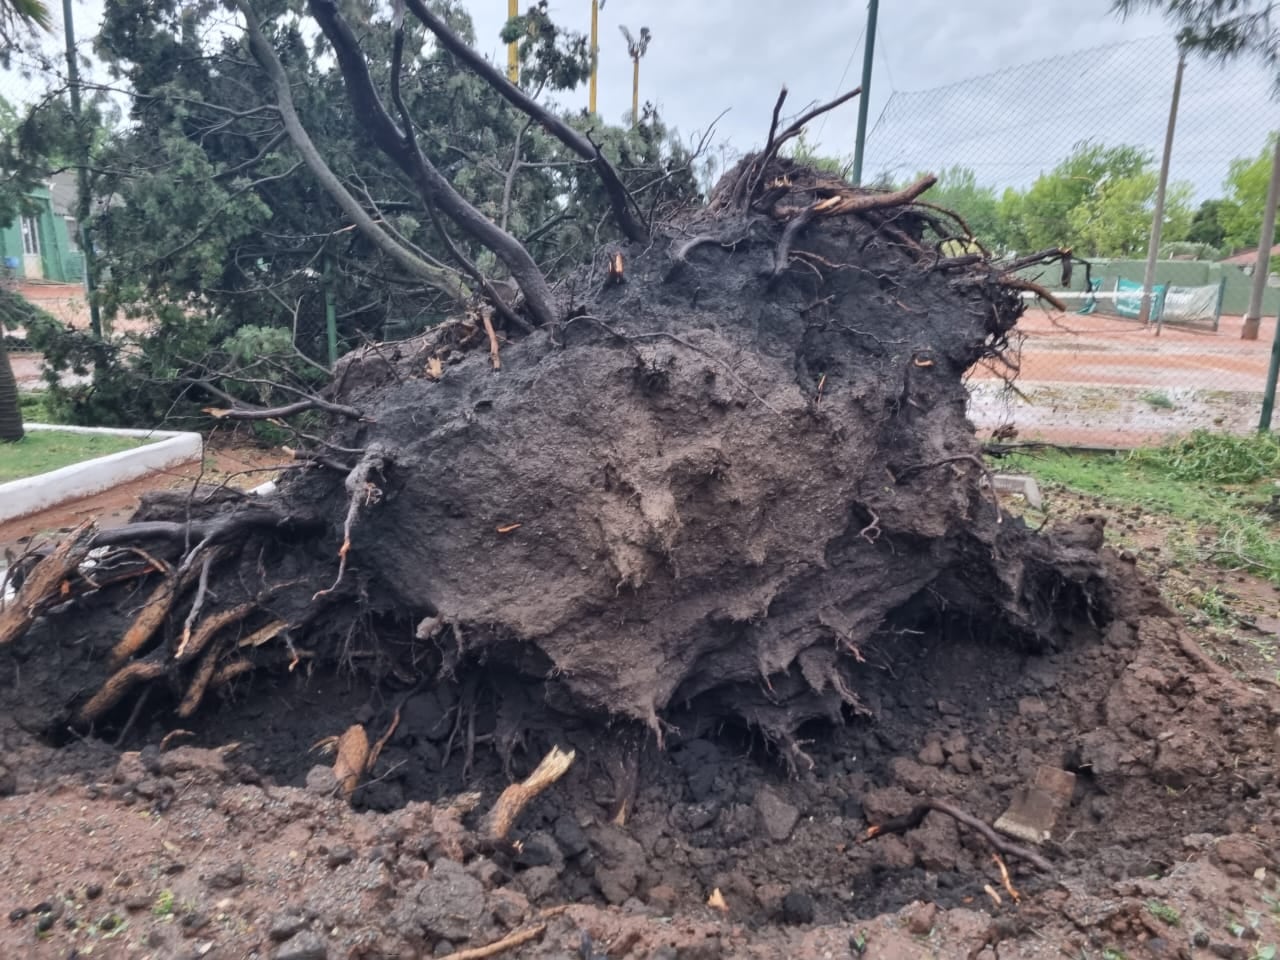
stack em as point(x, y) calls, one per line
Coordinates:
point(399, 146)
point(439, 278)
point(579, 143)
point(913, 819)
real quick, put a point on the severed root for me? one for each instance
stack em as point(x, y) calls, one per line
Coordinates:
point(117, 685)
point(913, 819)
point(47, 585)
point(516, 797)
point(509, 942)
point(224, 675)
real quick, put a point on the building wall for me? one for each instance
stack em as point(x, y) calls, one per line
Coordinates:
point(60, 261)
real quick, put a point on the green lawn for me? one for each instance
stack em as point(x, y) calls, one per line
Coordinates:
point(42, 451)
point(1205, 480)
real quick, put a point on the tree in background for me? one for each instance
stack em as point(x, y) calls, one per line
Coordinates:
point(1240, 214)
point(16, 17)
point(245, 209)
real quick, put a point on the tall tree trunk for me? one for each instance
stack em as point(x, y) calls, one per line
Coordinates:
point(10, 410)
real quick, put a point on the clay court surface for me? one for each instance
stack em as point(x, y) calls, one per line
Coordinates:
point(1085, 380)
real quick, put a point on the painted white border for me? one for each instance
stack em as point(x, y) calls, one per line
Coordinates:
point(21, 498)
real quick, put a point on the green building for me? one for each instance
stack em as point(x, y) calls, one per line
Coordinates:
point(43, 246)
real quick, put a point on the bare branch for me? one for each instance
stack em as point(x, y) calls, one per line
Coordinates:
point(402, 148)
point(439, 278)
point(571, 138)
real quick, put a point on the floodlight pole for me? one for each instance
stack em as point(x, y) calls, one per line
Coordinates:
point(1157, 218)
point(868, 51)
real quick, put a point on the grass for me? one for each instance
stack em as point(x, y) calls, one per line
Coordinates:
point(1218, 486)
point(41, 451)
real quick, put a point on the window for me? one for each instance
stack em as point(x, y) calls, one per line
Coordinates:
point(30, 236)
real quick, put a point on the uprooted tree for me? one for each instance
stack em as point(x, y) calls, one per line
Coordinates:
point(697, 481)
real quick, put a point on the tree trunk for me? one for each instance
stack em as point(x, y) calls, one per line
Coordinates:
point(10, 409)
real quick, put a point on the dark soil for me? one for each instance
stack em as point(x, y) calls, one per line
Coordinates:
point(230, 849)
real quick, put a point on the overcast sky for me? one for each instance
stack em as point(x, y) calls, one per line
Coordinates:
point(712, 55)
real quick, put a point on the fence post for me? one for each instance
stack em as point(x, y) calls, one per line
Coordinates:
point(1273, 371)
point(1157, 218)
point(864, 99)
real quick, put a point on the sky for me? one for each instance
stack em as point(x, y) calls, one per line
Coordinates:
point(712, 56)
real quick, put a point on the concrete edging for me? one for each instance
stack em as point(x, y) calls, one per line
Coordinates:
point(21, 498)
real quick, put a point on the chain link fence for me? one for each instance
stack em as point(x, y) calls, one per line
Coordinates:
point(1066, 151)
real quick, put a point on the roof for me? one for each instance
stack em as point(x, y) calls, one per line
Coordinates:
point(1249, 257)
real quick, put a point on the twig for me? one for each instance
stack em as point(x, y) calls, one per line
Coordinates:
point(1004, 875)
point(510, 941)
point(913, 819)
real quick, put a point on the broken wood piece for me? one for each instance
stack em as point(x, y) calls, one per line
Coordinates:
point(515, 798)
point(1034, 808)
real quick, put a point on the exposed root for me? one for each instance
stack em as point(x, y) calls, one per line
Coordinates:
point(262, 634)
point(1004, 877)
point(360, 489)
point(515, 798)
point(191, 646)
point(487, 318)
point(913, 819)
point(117, 685)
point(225, 675)
point(148, 620)
point(47, 584)
point(200, 682)
point(1018, 283)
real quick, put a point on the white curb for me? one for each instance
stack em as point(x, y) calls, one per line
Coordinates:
point(20, 498)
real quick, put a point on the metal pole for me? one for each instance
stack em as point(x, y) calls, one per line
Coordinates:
point(1157, 218)
point(513, 59)
point(83, 203)
point(595, 55)
point(1273, 372)
point(1266, 240)
point(868, 51)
